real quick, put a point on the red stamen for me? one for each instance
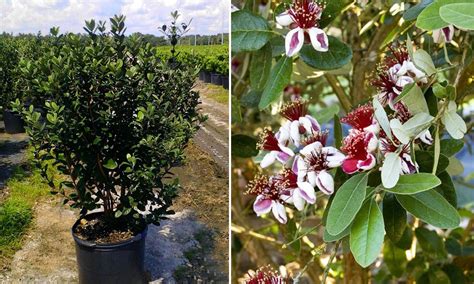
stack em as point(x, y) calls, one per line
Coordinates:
point(268, 141)
point(306, 13)
point(294, 110)
point(360, 117)
point(317, 136)
point(355, 145)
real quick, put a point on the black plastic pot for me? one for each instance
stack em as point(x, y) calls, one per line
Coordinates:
point(207, 76)
point(225, 81)
point(111, 263)
point(13, 122)
point(216, 79)
point(201, 75)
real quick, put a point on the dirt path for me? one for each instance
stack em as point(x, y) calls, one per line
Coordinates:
point(213, 137)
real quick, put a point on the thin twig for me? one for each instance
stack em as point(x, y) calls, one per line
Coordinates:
point(339, 91)
point(333, 255)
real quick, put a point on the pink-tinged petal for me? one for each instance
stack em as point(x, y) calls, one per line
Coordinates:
point(286, 150)
point(438, 36)
point(262, 205)
point(368, 163)
point(307, 192)
point(374, 128)
point(425, 137)
point(279, 212)
point(268, 159)
point(284, 19)
point(306, 123)
point(298, 200)
point(283, 134)
point(349, 166)
point(294, 167)
point(283, 157)
point(448, 33)
point(325, 182)
point(371, 141)
point(319, 39)
point(294, 41)
point(314, 123)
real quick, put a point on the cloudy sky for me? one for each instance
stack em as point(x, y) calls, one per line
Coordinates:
point(31, 16)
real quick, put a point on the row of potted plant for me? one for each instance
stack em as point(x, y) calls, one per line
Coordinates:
point(213, 61)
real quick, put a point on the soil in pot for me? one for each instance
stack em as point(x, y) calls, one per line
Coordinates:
point(13, 122)
point(108, 251)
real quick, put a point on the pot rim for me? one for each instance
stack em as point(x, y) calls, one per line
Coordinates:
point(138, 237)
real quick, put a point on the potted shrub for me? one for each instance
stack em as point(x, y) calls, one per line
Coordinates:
point(223, 70)
point(9, 59)
point(117, 122)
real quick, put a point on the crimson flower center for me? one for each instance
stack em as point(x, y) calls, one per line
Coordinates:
point(316, 161)
point(355, 147)
point(305, 13)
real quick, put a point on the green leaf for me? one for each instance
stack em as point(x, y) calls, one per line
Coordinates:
point(414, 183)
point(425, 160)
point(413, 12)
point(415, 100)
point(423, 61)
point(447, 189)
point(390, 170)
point(331, 11)
point(367, 234)
point(111, 164)
point(382, 117)
point(338, 55)
point(346, 203)
point(280, 76)
point(118, 213)
point(236, 114)
point(326, 114)
point(430, 18)
point(432, 208)
point(395, 218)
point(461, 15)
point(249, 32)
point(243, 146)
point(328, 238)
point(406, 239)
point(260, 67)
point(454, 123)
point(434, 276)
point(251, 99)
point(430, 242)
point(395, 258)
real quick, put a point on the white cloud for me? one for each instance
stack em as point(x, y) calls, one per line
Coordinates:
point(31, 16)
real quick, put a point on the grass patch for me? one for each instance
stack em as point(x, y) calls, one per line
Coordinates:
point(16, 212)
point(218, 94)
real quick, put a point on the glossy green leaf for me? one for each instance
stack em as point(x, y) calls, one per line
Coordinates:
point(425, 160)
point(337, 131)
point(415, 100)
point(367, 234)
point(381, 117)
point(328, 238)
point(430, 242)
point(413, 12)
point(279, 78)
point(338, 55)
point(395, 218)
point(111, 164)
point(249, 32)
point(346, 203)
point(430, 18)
point(414, 183)
point(423, 60)
point(454, 123)
point(260, 67)
point(332, 10)
point(447, 189)
point(432, 208)
point(243, 146)
point(449, 147)
point(394, 258)
point(406, 239)
point(461, 15)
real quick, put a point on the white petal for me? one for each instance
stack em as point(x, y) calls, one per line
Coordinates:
point(314, 123)
point(319, 39)
point(334, 157)
point(295, 132)
point(306, 124)
point(298, 200)
point(316, 146)
point(262, 205)
point(425, 137)
point(294, 41)
point(312, 178)
point(325, 182)
point(279, 212)
point(283, 135)
point(286, 150)
point(284, 19)
point(268, 159)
